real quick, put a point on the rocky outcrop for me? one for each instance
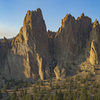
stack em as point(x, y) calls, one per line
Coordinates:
point(29, 56)
point(60, 73)
point(36, 53)
point(94, 41)
point(93, 54)
point(39, 60)
point(71, 39)
point(77, 44)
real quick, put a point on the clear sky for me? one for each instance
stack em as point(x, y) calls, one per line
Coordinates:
point(12, 12)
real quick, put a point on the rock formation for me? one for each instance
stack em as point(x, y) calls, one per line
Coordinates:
point(28, 57)
point(36, 53)
point(60, 73)
point(71, 39)
point(93, 54)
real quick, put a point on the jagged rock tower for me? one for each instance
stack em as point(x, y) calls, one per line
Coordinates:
point(37, 54)
point(28, 56)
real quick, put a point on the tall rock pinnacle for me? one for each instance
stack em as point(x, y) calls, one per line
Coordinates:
point(30, 49)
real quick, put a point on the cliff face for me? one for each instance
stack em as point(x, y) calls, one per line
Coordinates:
point(95, 46)
point(37, 54)
point(71, 39)
point(76, 44)
point(28, 57)
point(72, 36)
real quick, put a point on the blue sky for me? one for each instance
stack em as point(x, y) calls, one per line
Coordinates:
point(12, 12)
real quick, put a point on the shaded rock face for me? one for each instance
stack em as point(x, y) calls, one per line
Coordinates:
point(37, 54)
point(51, 39)
point(71, 39)
point(4, 46)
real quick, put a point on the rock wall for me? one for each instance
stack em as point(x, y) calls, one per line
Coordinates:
point(28, 58)
point(36, 53)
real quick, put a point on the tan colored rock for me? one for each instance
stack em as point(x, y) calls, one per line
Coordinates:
point(94, 43)
point(39, 60)
point(60, 73)
point(28, 58)
point(37, 54)
point(95, 24)
point(92, 50)
point(93, 54)
point(57, 72)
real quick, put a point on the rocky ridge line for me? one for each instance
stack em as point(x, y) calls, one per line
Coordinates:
point(36, 53)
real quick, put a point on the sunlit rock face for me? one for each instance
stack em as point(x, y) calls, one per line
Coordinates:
point(36, 53)
point(60, 73)
point(93, 54)
point(28, 57)
point(94, 44)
